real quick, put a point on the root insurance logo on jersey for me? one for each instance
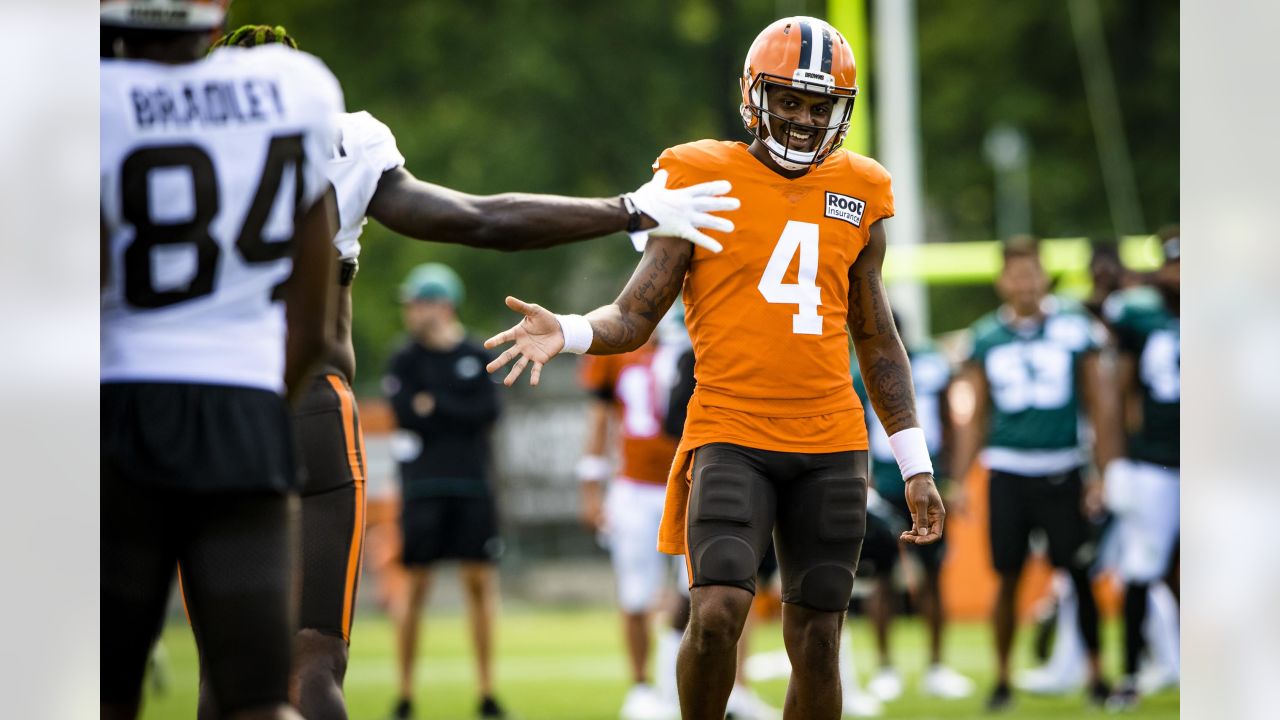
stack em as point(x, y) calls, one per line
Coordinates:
point(846, 208)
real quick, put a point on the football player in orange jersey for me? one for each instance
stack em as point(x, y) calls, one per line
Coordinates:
point(774, 441)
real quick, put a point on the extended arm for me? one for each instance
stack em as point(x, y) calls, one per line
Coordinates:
point(627, 323)
point(619, 327)
point(523, 221)
point(887, 374)
point(510, 221)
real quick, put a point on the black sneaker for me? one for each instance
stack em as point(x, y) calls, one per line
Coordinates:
point(403, 710)
point(489, 708)
point(1125, 697)
point(1001, 699)
point(1099, 692)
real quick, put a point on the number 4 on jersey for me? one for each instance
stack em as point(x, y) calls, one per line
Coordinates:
point(801, 237)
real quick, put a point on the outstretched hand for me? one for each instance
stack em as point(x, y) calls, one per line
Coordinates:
point(927, 512)
point(537, 339)
point(681, 212)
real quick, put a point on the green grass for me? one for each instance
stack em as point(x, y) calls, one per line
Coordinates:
point(568, 665)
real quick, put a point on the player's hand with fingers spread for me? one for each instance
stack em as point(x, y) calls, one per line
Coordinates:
point(681, 212)
point(927, 512)
point(537, 338)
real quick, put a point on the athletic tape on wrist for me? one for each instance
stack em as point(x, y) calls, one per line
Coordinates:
point(577, 333)
point(592, 468)
point(911, 451)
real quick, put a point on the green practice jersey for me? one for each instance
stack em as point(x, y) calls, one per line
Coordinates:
point(930, 374)
point(1033, 394)
point(1146, 329)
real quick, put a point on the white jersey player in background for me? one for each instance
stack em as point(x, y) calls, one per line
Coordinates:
point(213, 210)
point(369, 177)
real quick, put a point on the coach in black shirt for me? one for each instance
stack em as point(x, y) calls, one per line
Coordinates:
point(445, 407)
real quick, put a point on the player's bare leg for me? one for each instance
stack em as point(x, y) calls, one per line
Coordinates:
point(931, 608)
point(419, 585)
point(635, 627)
point(1088, 621)
point(319, 666)
point(709, 654)
point(1005, 627)
point(881, 611)
point(812, 638)
point(480, 588)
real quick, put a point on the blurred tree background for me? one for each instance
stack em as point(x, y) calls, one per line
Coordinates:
point(578, 97)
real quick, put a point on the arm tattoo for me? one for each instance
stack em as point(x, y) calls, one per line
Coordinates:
point(879, 309)
point(869, 314)
point(889, 386)
point(648, 295)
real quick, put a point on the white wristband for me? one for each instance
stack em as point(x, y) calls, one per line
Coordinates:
point(577, 333)
point(639, 239)
point(592, 468)
point(911, 452)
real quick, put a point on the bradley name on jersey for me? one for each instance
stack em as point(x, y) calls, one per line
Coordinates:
point(207, 103)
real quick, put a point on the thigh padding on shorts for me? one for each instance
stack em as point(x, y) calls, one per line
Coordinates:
point(727, 559)
point(826, 587)
point(843, 513)
point(723, 494)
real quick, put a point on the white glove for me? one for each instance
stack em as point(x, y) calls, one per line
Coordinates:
point(680, 212)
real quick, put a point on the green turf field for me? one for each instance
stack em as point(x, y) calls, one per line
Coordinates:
point(567, 665)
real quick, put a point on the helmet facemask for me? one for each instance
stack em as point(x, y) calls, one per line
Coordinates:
point(756, 116)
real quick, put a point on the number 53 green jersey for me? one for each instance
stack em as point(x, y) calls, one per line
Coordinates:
point(1032, 369)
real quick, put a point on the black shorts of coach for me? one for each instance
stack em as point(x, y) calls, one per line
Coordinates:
point(1021, 503)
point(198, 476)
point(331, 451)
point(463, 527)
point(813, 505)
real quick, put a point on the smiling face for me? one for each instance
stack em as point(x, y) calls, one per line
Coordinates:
point(797, 119)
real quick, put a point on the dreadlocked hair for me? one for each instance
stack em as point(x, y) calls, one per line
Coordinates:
point(254, 35)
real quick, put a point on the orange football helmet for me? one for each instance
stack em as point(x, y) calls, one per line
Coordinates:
point(807, 54)
point(181, 15)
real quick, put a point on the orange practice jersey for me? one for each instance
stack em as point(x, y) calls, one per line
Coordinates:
point(630, 383)
point(768, 314)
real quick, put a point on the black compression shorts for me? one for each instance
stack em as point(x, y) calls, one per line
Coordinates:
point(331, 450)
point(236, 547)
point(813, 506)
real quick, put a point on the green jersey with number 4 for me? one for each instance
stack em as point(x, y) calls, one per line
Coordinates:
point(1146, 329)
point(1033, 398)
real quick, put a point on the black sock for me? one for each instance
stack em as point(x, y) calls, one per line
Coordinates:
point(1135, 616)
point(1088, 609)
